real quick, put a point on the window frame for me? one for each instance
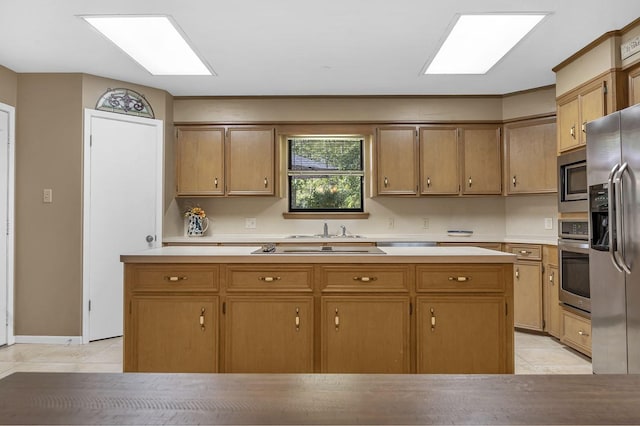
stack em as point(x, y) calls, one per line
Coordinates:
point(291, 174)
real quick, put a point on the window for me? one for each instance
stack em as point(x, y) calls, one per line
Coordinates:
point(325, 174)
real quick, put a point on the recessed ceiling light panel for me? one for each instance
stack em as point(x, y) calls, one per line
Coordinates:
point(477, 42)
point(152, 41)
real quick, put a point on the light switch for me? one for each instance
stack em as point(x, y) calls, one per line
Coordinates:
point(47, 195)
point(548, 223)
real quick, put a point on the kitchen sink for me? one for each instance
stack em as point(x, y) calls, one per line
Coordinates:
point(318, 250)
point(322, 236)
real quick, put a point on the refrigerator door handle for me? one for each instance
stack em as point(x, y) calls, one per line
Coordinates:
point(618, 253)
point(612, 217)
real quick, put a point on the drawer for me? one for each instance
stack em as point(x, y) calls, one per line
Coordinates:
point(352, 278)
point(526, 251)
point(576, 332)
point(269, 278)
point(167, 277)
point(484, 278)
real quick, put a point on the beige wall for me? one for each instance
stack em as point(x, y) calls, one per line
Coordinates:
point(48, 272)
point(529, 103)
point(8, 86)
point(596, 61)
point(49, 149)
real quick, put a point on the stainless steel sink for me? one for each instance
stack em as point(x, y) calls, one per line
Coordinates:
point(294, 236)
point(319, 250)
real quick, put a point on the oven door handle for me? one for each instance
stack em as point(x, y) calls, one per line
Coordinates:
point(611, 217)
point(619, 252)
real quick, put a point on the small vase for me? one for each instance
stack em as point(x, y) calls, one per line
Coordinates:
point(196, 226)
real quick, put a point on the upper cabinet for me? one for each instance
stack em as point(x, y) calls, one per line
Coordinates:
point(530, 148)
point(200, 161)
point(214, 161)
point(481, 160)
point(439, 161)
point(251, 161)
point(397, 161)
point(576, 110)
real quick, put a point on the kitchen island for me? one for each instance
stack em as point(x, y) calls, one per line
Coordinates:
point(395, 310)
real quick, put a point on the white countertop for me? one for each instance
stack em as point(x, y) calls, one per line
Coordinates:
point(368, 238)
point(242, 254)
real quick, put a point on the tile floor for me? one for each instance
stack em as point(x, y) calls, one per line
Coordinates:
point(535, 354)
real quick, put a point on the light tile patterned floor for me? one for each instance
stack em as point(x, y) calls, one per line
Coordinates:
point(535, 354)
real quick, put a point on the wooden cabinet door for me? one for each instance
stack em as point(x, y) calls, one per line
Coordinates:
point(634, 85)
point(482, 161)
point(173, 334)
point(397, 161)
point(568, 131)
point(269, 334)
point(251, 161)
point(531, 156)
point(461, 334)
point(200, 161)
point(363, 334)
point(527, 295)
point(592, 106)
point(553, 311)
point(439, 161)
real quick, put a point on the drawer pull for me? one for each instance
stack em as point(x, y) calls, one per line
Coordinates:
point(270, 279)
point(460, 279)
point(202, 319)
point(336, 320)
point(297, 319)
point(527, 252)
point(365, 279)
point(582, 333)
point(174, 278)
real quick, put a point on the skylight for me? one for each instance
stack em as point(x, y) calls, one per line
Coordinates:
point(152, 41)
point(477, 42)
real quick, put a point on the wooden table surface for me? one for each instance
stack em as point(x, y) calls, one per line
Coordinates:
point(144, 398)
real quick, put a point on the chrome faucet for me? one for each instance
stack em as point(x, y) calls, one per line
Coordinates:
point(325, 234)
point(344, 231)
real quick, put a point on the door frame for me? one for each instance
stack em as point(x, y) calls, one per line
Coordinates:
point(11, 111)
point(86, 195)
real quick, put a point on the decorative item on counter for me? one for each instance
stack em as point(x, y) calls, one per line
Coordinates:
point(197, 221)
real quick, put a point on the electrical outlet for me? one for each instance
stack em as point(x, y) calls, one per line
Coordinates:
point(391, 223)
point(425, 223)
point(47, 195)
point(548, 223)
point(250, 223)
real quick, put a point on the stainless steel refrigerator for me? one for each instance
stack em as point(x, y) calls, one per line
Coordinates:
point(613, 177)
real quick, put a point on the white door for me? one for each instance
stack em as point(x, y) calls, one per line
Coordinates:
point(122, 210)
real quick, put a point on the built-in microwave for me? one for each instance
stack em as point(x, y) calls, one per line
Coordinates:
point(572, 182)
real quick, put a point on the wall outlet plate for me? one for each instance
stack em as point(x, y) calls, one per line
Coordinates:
point(548, 223)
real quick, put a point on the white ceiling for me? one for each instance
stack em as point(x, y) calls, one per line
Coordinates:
point(304, 47)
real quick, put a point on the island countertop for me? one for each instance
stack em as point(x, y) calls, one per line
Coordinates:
point(389, 255)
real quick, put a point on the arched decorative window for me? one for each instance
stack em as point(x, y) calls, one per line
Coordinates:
point(125, 101)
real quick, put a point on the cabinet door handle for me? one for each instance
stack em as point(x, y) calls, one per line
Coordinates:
point(266, 182)
point(269, 279)
point(365, 279)
point(470, 182)
point(460, 279)
point(433, 320)
point(174, 278)
point(584, 127)
point(386, 182)
point(336, 320)
point(518, 274)
point(297, 319)
point(202, 319)
point(582, 333)
point(572, 131)
point(215, 182)
point(552, 278)
point(514, 181)
point(428, 182)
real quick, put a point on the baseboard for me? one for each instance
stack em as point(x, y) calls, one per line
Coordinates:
point(50, 340)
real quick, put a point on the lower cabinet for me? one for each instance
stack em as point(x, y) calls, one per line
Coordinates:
point(362, 334)
point(269, 334)
point(553, 310)
point(576, 331)
point(527, 295)
point(451, 329)
point(177, 334)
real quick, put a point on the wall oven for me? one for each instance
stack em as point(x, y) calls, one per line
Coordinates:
point(572, 182)
point(573, 252)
